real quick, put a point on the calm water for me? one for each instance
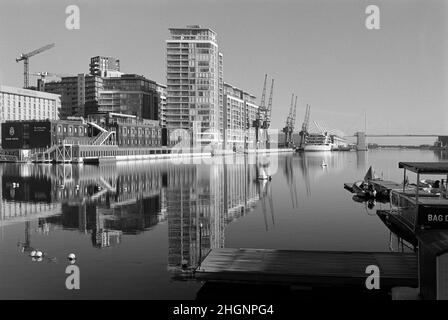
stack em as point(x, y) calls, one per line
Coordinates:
point(133, 225)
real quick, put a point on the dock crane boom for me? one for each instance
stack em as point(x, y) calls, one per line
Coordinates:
point(288, 129)
point(25, 58)
point(263, 95)
point(262, 108)
point(267, 115)
point(306, 122)
point(293, 118)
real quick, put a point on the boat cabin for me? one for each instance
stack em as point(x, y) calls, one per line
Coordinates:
point(422, 207)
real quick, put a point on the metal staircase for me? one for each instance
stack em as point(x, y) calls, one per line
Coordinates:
point(102, 138)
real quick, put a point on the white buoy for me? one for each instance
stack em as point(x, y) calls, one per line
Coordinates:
point(323, 163)
point(263, 175)
point(71, 256)
point(39, 254)
point(33, 253)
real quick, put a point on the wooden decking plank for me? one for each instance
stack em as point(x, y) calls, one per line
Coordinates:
point(287, 266)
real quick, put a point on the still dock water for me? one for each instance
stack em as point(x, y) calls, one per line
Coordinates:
point(134, 226)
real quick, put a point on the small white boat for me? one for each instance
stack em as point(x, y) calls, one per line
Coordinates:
point(323, 164)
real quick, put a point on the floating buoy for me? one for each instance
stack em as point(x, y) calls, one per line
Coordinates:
point(33, 253)
point(324, 164)
point(71, 257)
point(39, 254)
point(263, 175)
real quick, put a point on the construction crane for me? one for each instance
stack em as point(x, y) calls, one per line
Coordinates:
point(25, 57)
point(306, 122)
point(290, 122)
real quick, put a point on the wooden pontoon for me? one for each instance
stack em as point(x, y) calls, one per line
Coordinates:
point(313, 268)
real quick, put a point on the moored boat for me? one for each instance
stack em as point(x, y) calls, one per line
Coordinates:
point(318, 142)
point(365, 188)
point(419, 208)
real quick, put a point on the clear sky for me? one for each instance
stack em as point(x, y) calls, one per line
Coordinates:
point(317, 49)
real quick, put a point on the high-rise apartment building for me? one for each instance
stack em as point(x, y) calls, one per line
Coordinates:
point(161, 90)
point(78, 93)
point(194, 82)
point(240, 111)
point(104, 66)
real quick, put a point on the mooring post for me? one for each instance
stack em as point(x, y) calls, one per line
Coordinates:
point(200, 245)
point(416, 189)
point(404, 178)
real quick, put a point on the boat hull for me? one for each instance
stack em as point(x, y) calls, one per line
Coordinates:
point(316, 147)
point(426, 215)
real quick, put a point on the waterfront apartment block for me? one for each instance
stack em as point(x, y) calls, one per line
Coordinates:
point(130, 94)
point(79, 94)
point(240, 111)
point(161, 90)
point(23, 104)
point(104, 66)
point(194, 82)
point(40, 135)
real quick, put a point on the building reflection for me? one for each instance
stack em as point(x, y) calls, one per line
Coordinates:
point(104, 201)
point(441, 155)
point(213, 196)
point(108, 202)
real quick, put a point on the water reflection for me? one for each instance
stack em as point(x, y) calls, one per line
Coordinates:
point(110, 200)
point(441, 155)
point(119, 206)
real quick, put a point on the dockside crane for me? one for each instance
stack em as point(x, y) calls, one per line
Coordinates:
point(25, 58)
point(262, 108)
point(306, 122)
point(267, 114)
point(290, 122)
point(293, 119)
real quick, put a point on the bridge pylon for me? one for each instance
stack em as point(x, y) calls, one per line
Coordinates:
point(361, 144)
